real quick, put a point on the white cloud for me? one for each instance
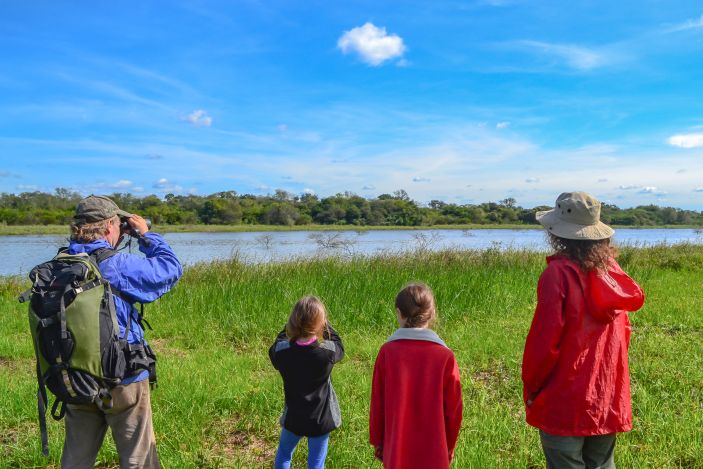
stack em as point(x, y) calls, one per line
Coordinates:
point(199, 118)
point(681, 171)
point(686, 25)
point(686, 140)
point(28, 187)
point(652, 190)
point(372, 44)
point(307, 190)
point(531, 180)
point(138, 189)
point(698, 189)
point(503, 125)
point(368, 187)
point(262, 188)
point(165, 186)
point(578, 57)
point(161, 183)
point(420, 179)
point(627, 187)
point(603, 180)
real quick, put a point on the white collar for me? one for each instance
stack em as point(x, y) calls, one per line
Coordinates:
point(416, 333)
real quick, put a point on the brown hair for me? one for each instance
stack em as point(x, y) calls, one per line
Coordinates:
point(89, 232)
point(588, 254)
point(416, 305)
point(308, 318)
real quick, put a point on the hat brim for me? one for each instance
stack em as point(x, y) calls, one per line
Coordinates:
point(558, 227)
point(122, 213)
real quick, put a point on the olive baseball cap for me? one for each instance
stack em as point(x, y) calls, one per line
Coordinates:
point(95, 208)
point(576, 215)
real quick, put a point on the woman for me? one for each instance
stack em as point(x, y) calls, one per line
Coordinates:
point(576, 383)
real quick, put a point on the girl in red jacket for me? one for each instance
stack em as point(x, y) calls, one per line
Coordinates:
point(416, 393)
point(576, 383)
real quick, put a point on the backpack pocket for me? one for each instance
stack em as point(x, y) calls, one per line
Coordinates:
point(114, 361)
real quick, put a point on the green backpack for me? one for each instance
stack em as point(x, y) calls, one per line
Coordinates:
point(80, 355)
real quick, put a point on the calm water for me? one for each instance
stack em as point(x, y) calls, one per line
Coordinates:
point(20, 253)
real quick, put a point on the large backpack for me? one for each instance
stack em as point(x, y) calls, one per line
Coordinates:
point(80, 355)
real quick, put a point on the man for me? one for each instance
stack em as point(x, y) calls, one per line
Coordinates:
point(133, 279)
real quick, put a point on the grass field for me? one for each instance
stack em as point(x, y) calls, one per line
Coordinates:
point(219, 399)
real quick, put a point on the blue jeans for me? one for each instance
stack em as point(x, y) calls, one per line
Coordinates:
point(317, 450)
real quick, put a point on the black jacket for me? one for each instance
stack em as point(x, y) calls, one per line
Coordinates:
point(311, 407)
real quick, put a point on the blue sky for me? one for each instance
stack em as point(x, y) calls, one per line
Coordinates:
point(464, 101)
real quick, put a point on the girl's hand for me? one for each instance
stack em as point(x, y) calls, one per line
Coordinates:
point(378, 453)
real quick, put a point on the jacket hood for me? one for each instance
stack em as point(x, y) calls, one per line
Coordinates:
point(608, 293)
point(76, 248)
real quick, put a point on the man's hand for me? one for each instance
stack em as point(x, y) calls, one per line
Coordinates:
point(378, 453)
point(138, 224)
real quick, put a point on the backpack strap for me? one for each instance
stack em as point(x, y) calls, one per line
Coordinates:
point(42, 402)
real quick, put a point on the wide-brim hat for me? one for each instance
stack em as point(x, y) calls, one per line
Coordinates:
point(95, 208)
point(576, 215)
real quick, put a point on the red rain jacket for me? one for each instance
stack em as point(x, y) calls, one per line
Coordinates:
point(574, 368)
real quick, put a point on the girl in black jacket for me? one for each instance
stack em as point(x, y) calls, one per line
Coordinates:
point(304, 353)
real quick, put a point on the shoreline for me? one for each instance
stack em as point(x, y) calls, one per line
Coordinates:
point(25, 230)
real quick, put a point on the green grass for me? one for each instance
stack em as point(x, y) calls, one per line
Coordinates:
point(219, 398)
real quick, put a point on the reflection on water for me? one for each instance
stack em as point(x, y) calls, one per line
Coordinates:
point(20, 253)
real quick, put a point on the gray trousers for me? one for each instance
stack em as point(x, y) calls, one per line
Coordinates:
point(573, 452)
point(130, 423)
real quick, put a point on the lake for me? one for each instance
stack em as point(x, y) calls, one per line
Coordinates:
point(20, 253)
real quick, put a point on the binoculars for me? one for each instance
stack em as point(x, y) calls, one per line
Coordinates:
point(126, 228)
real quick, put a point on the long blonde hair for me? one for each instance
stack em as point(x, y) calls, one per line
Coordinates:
point(307, 319)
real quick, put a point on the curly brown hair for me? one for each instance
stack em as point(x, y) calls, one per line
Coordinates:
point(588, 254)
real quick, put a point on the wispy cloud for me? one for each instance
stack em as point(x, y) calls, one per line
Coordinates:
point(372, 44)
point(368, 187)
point(687, 25)
point(698, 189)
point(122, 184)
point(577, 57)
point(627, 187)
point(531, 180)
point(503, 125)
point(686, 140)
point(199, 118)
point(420, 179)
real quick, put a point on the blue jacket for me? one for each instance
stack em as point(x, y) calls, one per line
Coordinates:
point(142, 280)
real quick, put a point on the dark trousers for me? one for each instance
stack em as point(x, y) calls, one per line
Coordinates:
point(574, 452)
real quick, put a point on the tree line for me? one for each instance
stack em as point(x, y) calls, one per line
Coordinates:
point(284, 208)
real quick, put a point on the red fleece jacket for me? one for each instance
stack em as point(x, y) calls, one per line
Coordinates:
point(416, 405)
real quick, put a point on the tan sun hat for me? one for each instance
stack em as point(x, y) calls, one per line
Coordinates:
point(95, 208)
point(576, 215)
